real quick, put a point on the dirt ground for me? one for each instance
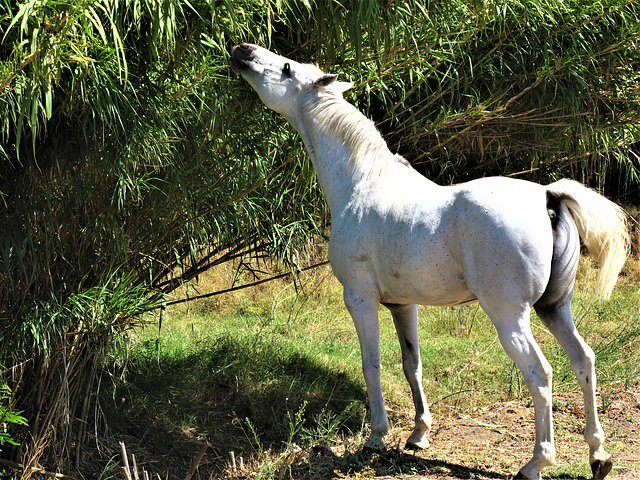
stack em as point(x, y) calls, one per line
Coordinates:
point(489, 444)
point(497, 441)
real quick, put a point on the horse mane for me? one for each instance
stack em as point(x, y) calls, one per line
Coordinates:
point(338, 117)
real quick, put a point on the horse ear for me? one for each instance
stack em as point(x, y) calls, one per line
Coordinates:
point(330, 79)
point(344, 86)
point(325, 80)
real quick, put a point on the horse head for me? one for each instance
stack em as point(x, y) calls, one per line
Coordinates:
point(281, 83)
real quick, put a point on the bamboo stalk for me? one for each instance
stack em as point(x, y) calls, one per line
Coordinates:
point(197, 460)
point(239, 287)
point(36, 470)
point(232, 459)
point(82, 421)
point(125, 461)
point(135, 468)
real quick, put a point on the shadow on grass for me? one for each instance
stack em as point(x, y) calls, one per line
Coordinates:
point(173, 398)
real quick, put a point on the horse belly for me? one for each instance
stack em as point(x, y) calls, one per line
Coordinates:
point(399, 270)
point(425, 281)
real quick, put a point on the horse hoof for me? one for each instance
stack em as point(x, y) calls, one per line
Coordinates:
point(417, 445)
point(375, 445)
point(600, 468)
point(521, 476)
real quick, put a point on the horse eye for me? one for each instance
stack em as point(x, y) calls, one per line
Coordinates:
point(286, 69)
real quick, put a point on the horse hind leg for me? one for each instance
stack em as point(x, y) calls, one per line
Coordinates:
point(559, 321)
point(405, 318)
point(554, 310)
point(514, 332)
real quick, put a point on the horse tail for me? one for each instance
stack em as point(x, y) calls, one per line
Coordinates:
point(602, 226)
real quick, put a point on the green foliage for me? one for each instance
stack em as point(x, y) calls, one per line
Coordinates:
point(269, 467)
point(8, 417)
point(128, 166)
point(544, 88)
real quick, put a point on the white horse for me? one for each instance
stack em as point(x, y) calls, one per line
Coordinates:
point(399, 240)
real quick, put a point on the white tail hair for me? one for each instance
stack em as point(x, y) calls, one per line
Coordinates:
point(602, 226)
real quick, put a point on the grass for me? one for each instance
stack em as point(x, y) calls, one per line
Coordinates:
point(267, 369)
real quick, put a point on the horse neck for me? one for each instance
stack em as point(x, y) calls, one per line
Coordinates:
point(346, 150)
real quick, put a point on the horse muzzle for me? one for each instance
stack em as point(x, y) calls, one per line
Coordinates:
point(241, 56)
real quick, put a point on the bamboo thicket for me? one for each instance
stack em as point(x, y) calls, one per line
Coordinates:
point(132, 159)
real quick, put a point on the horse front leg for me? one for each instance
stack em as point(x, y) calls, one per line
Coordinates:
point(405, 318)
point(364, 312)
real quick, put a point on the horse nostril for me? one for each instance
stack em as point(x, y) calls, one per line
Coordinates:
point(241, 55)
